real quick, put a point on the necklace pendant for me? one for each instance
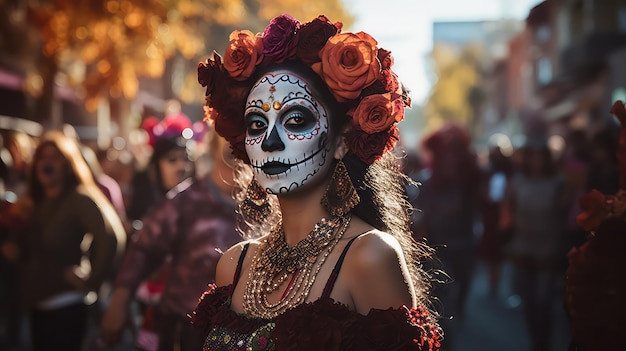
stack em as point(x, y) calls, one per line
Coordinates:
point(275, 263)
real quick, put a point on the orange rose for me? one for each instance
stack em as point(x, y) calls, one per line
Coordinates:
point(348, 64)
point(244, 52)
point(377, 112)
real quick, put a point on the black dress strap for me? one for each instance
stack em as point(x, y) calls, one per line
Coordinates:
point(330, 284)
point(239, 265)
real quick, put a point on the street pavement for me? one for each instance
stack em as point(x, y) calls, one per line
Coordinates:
point(494, 322)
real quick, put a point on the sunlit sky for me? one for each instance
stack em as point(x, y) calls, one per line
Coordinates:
point(405, 28)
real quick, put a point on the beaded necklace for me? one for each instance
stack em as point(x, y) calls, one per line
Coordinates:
point(275, 261)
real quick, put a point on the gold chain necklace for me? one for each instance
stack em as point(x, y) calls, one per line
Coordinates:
point(275, 261)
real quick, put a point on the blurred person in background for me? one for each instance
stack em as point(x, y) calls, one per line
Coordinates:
point(576, 167)
point(170, 163)
point(192, 227)
point(538, 207)
point(448, 199)
point(603, 165)
point(496, 229)
point(109, 186)
point(17, 155)
point(72, 240)
point(14, 159)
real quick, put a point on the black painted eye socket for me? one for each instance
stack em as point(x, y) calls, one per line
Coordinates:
point(255, 124)
point(299, 120)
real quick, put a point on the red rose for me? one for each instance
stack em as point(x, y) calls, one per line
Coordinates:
point(387, 82)
point(385, 58)
point(312, 37)
point(619, 110)
point(594, 209)
point(371, 147)
point(209, 72)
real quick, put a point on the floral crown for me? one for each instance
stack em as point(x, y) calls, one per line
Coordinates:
point(355, 70)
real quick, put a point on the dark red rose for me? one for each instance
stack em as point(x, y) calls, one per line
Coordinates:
point(228, 104)
point(593, 293)
point(371, 147)
point(385, 58)
point(312, 37)
point(594, 209)
point(279, 38)
point(619, 110)
point(209, 72)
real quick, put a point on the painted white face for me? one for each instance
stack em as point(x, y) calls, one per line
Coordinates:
point(286, 133)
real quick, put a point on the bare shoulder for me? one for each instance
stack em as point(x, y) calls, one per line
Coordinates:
point(376, 272)
point(374, 247)
point(227, 264)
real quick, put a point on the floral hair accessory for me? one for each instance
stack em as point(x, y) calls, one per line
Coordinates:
point(355, 70)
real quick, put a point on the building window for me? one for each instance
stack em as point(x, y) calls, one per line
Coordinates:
point(544, 70)
point(621, 18)
point(542, 34)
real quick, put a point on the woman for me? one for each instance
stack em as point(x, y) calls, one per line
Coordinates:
point(170, 163)
point(448, 200)
point(192, 227)
point(330, 263)
point(68, 210)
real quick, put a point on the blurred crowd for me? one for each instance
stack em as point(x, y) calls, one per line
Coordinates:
point(512, 204)
point(99, 247)
point(110, 249)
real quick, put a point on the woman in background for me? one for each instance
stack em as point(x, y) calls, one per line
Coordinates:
point(58, 268)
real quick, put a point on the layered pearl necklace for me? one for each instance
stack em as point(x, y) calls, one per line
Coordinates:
point(274, 262)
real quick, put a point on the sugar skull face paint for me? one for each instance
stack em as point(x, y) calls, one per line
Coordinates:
point(286, 133)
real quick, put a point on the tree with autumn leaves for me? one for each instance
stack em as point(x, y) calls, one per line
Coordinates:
point(102, 47)
point(457, 95)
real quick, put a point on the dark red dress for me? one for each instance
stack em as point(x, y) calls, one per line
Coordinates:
point(320, 325)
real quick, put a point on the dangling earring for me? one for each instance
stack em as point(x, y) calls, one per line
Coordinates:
point(256, 205)
point(340, 196)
